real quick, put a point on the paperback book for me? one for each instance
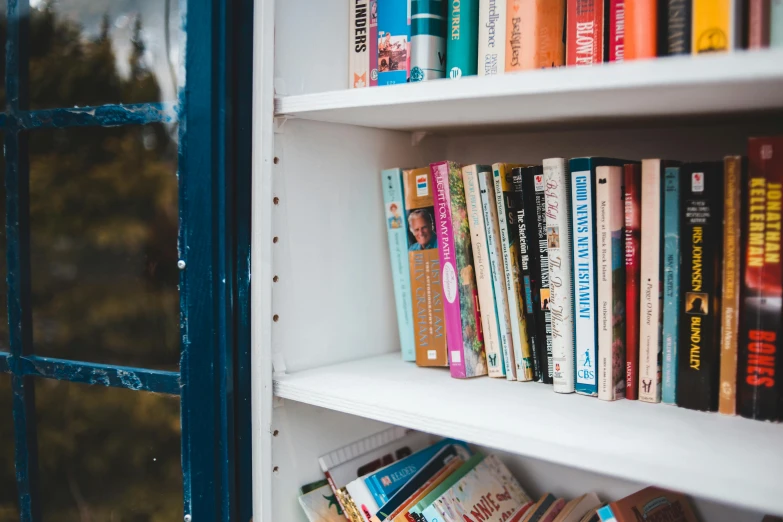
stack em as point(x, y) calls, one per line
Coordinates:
point(671, 283)
point(585, 32)
point(428, 39)
point(641, 29)
point(492, 30)
point(616, 23)
point(717, 25)
point(632, 174)
point(359, 44)
point(678, 27)
point(534, 34)
point(462, 40)
point(394, 33)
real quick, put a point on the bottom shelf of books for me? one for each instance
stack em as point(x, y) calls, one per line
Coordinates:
point(730, 459)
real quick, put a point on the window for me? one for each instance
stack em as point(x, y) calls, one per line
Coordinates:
point(124, 363)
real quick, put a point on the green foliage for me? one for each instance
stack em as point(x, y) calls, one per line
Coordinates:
point(103, 204)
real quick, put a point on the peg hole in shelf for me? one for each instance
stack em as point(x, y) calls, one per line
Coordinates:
point(275, 279)
point(276, 200)
point(275, 318)
point(274, 239)
point(276, 160)
point(275, 433)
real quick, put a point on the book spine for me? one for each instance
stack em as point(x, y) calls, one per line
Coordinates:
point(524, 222)
point(650, 278)
point(424, 262)
point(701, 186)
point(758, 24)
point(492, 32)
point(678, 27)
point(611, 283)
point(758, 375)
point(776, 24)
point(715, 25)
point(633, 238)
point(641, 29)
point(671, 283)
point(534, 34)
point(616, 30)
point(511, 246)
point(373, 58)
point(359, 51)
point(497, 271)
point(394, 206)
point(561, 292)
point(543, 312)
point(486, 294)
point(394, 34)
point(730, 298)
point(516, 15)
point(585, 323)
point(428, 40)
point(462, 41)
point(585, 32)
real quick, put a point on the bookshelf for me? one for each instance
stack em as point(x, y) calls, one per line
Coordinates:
point(326, 368)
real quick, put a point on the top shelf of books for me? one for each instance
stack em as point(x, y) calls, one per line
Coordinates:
point(722, 84)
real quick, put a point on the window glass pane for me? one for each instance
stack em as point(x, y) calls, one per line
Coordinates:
point(92, 52)
point(8, 493)
point(108, 454)
point(103, 220)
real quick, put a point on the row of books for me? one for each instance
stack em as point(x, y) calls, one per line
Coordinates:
point(397, 41)
point(652, 280)
point(403, 476)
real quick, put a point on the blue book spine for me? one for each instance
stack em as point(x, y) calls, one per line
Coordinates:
point(394, 208)
point(671, 282)
point(394, 41)
point(606, 515)
point(584, 274)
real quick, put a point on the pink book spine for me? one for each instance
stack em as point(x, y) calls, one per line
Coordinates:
point(616, 30)
point(374, 43)
point(445, 233)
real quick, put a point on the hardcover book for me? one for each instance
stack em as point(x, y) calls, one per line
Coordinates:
point(734, 171)
point(561, 292)
point(397, 233)
point(585, 269)
point(523, 344)
point(671, 283)
point(652, 504)
point(758, 23)
point(359, 51)
point(651, 275)
point(678, 27)
point(641, 29)
point(428, 39)
point(462, 40)
point(534, 34)
point(758, 375)
point(616, 22)
point(632, 174)
point(458, 280)
point(610, 216)
point(492, 30)
point(394, 33)
point(486, 293)
point(701, 186)
point(584, 32)
point(530, 187)
point(429, 322)
point(497, 270)
point(717, 25)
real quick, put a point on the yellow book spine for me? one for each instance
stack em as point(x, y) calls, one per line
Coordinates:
point(712, 26)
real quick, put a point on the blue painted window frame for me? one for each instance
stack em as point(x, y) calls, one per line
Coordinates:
point(215, 119)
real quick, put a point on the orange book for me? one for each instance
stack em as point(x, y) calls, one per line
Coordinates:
point(534, 34)
point(641, 29)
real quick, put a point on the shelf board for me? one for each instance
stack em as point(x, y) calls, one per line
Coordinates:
point(729, 459)
point(741, 82)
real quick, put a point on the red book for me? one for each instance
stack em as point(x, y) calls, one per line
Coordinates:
point(633, 240)
point(616, 23)
point(759, 24)
point(585, 32)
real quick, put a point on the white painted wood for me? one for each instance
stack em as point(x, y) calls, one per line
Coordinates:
point(698, 453)
point(687, 85)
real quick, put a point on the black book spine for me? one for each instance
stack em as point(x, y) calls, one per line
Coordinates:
point(678, 27)
point(528, 258)
point(701, 232)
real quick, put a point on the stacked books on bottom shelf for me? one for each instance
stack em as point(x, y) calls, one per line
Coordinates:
point(402, 476)
point(654, 280)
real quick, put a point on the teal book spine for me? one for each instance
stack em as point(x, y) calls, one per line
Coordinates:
point(399, 241)
point(776, 24)
point(462, 38)
point(671, 283)
point(428, 39)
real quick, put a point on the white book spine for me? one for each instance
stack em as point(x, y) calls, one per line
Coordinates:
point(359, 44)
point(611, 294)
point(492, 37)
point(488, 204)
point(486, 297)
point(561, 291)
point(585, 323)
point(650, 293)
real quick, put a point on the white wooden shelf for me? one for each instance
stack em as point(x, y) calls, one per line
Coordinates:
point(678, 86)
point(729, 459)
